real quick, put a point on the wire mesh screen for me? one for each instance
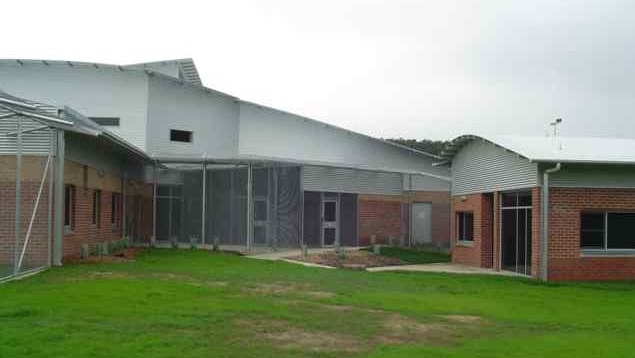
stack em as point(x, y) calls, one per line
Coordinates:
point(138, 214)
point(226, 207)
point(275, 205)
point(179, 204)
point(26, 228)
point(288, 207)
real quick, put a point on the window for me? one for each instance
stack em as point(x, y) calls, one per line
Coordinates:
point(607, 230)
point(180, 136)
point(106, 121)
point(69, 205)
point(465, 223)
point(96, 207)
point(114, 208)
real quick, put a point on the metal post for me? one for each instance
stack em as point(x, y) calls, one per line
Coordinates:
point(59, 200)
point(275, 207)
point(18, 195)
point(203, 202)
point(124, 221)
point(250, 201)
point(154, 204)
point(301, 211)
point(49, 226)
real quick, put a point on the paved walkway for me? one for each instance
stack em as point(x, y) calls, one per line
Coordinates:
point(445, 268)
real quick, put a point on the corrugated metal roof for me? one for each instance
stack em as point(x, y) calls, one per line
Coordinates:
point(592, 150)
point(187, 68)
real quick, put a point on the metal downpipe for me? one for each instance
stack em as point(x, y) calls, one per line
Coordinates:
point(544, 239)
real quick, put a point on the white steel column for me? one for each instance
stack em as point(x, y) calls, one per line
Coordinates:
point(59, 199)
point(18, 195)
point(154, 204)
point(204, 203)
point(49, 227)
point(250, 203)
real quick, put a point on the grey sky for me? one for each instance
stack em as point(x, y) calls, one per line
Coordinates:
point(416, 69)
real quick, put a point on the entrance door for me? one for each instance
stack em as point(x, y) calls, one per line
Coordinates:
point(516, 232)
point(330, 215)
point(421, 219)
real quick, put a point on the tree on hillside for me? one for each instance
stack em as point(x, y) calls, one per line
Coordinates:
point(425, 145)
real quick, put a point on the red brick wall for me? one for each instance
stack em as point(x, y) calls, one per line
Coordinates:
point(479, 252)
point(83, 231)
point(565, 260)
point(379, 215)
point(37, 250)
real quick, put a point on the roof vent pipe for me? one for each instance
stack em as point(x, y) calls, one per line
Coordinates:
point(544, 239)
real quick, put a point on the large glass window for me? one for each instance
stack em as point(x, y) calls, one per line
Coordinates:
point(607, 230)
point(465, 222)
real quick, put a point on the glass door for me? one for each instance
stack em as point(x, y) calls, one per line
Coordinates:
point(330, 217)
point(516, 232)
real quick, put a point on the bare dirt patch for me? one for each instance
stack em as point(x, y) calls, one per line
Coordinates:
point(398, 329)
point(284, 335)
point(351, 259)
point(465, 319)
point(286, 288)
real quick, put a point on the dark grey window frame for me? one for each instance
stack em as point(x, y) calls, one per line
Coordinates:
point(69, 206)
point(176, 133)
point(461, 225)
point(605, 249)
point(115, 202)
point(96, 208)
point(107, 121)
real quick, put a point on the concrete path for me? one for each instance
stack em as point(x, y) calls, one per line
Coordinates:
point(284, 254)
point(445, 268)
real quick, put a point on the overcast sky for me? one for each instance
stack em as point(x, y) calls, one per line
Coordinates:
point(415, 69)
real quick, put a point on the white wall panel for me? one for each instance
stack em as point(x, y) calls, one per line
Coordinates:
point(93, 91)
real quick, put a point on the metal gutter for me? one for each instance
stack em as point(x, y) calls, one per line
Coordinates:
point(544, 239)
point(260, 159)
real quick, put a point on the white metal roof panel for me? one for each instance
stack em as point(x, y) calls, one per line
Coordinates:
point(592, 150)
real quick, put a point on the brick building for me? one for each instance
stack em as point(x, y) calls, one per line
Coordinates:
point(154, 156)
point(550, 208)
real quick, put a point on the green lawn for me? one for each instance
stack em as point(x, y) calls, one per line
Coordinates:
point(414, 256)
point(200, 304)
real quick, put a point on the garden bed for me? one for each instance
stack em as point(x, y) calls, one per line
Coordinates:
point(350, 259)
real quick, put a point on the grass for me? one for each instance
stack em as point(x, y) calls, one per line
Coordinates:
point(172, 303)
point(414, 256)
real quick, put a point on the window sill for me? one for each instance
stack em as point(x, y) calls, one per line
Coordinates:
point(607, 253)
point(68, 230)
point(465, 243)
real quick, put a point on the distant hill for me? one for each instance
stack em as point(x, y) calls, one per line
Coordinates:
point(425, 145)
